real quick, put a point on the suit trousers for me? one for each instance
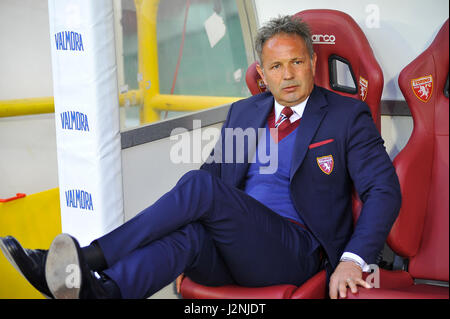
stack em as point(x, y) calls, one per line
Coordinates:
point(213, 232)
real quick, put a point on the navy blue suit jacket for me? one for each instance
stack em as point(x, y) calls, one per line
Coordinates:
point(324, 200)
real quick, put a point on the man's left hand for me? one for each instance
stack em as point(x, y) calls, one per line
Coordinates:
point(347, 274)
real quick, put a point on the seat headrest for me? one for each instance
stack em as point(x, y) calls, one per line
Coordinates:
point(424, 83)
point(338, 40)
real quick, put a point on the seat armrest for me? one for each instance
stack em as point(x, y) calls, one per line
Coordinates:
point(192, 290)
point(313, 288)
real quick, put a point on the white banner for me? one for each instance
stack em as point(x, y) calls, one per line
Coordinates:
point(87, 117)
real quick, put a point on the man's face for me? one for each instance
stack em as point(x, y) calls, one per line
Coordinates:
point(287, 68)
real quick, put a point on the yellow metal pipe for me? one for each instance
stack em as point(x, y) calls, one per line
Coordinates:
point(158, 102)
point(27, 106)
point(40, 105)
point(188, 103)
point(146, 15)
point(132, 97)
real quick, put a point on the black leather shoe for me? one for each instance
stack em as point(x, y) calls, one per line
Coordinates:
point(29, 262)
point(68, 275)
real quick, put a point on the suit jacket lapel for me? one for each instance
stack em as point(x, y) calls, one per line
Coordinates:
point(257, 119)
point(315, 110)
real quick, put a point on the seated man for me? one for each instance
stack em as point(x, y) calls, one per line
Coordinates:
point(236, 223)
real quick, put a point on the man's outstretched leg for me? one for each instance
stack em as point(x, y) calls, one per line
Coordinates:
point(259, 247)
point(140, 274)
point(189, 249)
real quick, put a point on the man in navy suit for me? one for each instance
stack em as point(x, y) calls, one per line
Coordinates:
point(232, 222)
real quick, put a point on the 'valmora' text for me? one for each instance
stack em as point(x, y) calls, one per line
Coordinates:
point(69, 40)
point(72, 120)
point(79, 199)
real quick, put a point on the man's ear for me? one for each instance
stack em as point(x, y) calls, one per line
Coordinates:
point(313, 63)
point(260, 72)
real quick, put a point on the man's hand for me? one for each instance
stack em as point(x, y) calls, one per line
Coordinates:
point(178, 282)
point(347, 274)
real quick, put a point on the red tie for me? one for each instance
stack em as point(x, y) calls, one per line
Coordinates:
point(283, 121)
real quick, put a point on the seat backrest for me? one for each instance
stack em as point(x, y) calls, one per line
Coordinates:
point(339, 41)
point(421, 232)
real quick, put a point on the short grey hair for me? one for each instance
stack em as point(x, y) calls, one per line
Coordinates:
point(288, 24)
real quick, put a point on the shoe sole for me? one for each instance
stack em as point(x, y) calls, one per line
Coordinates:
point(6, 252)
point(62, 269)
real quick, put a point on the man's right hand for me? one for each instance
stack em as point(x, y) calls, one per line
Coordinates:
point(347, 274)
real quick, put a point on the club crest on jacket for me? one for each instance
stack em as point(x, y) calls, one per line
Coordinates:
point(326, 163)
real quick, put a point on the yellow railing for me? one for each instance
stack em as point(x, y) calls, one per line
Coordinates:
point(26, 106)
point(148, 95)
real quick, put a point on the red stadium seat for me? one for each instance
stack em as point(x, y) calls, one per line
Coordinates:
point(421, 232)
point(351, 46)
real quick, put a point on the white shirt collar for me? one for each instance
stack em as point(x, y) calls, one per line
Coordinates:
point(298, 110)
